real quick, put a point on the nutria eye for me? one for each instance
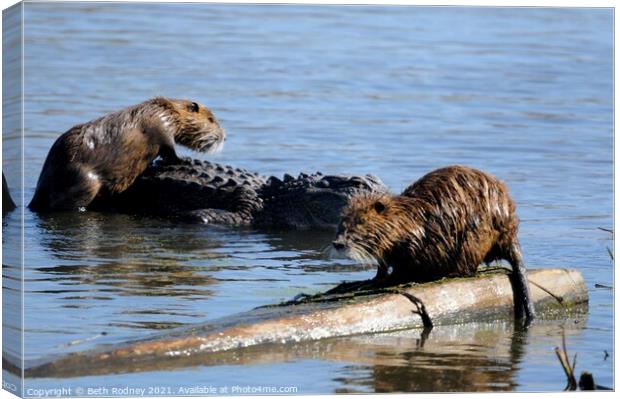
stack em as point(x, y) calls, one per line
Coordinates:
point(211, 119)
point(193, 107)
point(379, 207)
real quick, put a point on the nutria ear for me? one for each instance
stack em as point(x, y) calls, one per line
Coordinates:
point(163, 102)
point(379, 207)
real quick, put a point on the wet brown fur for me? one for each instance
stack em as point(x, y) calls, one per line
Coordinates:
point(445, 224)
point(106, 155)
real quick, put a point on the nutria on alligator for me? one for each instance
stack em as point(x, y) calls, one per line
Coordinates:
point(106, 155)
point(445, 224)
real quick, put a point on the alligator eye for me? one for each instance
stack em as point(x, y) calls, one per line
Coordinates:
point(193, 107)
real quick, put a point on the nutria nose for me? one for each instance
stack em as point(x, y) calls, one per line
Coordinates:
point(338, 245)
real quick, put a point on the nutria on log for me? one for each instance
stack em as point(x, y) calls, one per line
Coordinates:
point(445, 224)
point(106, 155)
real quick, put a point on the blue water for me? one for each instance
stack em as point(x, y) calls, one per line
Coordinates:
point(523, 93)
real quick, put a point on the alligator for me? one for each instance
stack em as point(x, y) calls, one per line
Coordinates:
point(220, 194)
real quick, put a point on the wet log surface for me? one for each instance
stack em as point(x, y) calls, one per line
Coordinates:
point(488, 296)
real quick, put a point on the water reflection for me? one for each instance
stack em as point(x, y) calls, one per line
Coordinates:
point(93, 235)
point(92, 264)
point(469, 357)
point(486, 360)
point(310, 247)
point(135, 260)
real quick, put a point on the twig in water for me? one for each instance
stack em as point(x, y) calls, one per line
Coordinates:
point(586, 379)
point(566, 366)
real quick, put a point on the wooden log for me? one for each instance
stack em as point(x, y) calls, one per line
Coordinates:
point(449, 301)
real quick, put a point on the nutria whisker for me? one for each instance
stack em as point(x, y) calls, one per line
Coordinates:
point(360, 254)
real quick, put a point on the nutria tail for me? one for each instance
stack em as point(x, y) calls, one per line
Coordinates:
point(523, 305)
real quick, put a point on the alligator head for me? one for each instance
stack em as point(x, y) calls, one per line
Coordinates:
point(310, 201)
